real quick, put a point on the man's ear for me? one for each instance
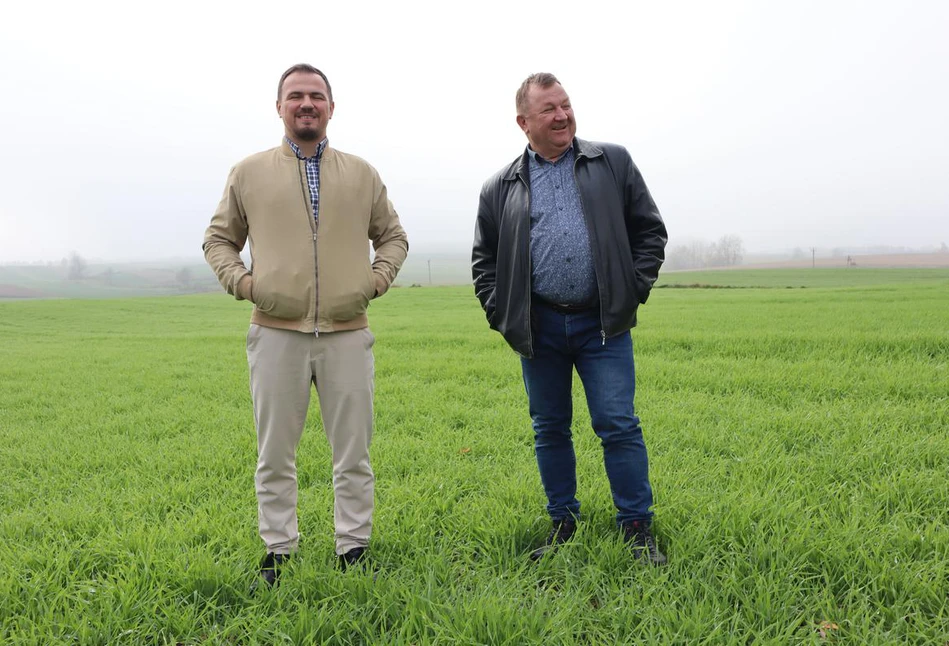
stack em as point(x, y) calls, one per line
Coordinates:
point(522, 122)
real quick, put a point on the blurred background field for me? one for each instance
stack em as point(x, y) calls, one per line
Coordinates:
point(797, 435)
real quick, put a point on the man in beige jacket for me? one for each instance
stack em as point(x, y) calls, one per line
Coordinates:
point(308, 210)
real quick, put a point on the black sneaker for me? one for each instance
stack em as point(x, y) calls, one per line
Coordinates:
point(269, 575)
point(351, 558)
point(642, 542)
point(560, 533)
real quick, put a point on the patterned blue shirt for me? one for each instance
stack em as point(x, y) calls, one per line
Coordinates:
point(312, 173)
point(562, 269)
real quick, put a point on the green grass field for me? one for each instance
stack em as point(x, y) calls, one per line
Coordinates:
point(798, 445)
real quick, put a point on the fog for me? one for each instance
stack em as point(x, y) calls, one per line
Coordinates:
point(789, 125)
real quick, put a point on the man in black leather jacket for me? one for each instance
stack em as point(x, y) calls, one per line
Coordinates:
point(568, 242)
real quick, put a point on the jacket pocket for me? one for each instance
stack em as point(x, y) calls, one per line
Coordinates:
point(640, 289)
point(348, 297)
point(271, 300)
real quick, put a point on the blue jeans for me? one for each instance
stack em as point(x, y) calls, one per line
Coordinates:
point(562, 342)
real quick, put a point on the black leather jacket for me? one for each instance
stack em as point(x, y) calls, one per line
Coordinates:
point(626, 232)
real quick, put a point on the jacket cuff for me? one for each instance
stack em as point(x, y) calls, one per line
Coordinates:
point(244, 290)
point(381, 285)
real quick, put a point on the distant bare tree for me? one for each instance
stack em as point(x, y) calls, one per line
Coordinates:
point(76, 267)
point(729, 251)
point(698, 254)
point(688, 256)
point(715, 257)
point(183, 277)
point(108, 275)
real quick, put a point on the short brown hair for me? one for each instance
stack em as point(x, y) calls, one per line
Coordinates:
point(542, 79)
point(309, 69)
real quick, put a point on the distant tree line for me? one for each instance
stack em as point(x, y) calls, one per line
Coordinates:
point(727, 251)
point(76, 268)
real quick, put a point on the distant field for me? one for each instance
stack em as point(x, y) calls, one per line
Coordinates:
point(798, 450)
point(125, 280)
point(793, 278)
point(875, 261)
point(105, 281)
point(426, 269)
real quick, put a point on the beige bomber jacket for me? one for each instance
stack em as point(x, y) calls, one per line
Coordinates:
point(306, 275)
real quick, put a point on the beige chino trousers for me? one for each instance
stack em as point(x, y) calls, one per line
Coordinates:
point(283, 364)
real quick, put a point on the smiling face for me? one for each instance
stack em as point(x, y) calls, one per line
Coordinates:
point(547, 120)
point(305, 107)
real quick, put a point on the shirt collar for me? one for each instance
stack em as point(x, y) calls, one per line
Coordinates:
point(537, 158)
point(296, 149)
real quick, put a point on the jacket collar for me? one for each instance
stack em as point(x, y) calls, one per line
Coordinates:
point(587, 148)
point(287, 151)
point(581, 147)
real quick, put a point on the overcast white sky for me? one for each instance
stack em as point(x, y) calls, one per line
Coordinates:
point(791, 124)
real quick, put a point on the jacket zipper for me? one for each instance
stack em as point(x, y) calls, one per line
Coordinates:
point(314, 223)
point(592, 250)
point(530, 336)
point(316, 259)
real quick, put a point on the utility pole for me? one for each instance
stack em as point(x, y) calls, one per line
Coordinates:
point(429, 271)
point(813, 261)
